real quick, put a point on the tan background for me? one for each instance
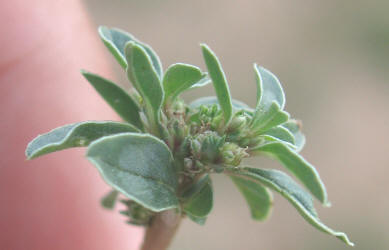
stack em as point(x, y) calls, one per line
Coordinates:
point(332, 58)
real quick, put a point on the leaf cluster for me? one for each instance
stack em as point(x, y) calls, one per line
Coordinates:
point(163, 154)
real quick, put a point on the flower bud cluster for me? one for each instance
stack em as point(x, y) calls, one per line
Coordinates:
point(207, 118)
point(233, 154)
point(203, 142)
point(239, 131)
point(209, 152)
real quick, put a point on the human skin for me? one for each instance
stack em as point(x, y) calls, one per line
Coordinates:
point(51, 202)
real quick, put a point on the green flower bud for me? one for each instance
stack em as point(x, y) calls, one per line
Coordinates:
point(184, 149)
point(217, 122)
point(195, 147)
point(233, 154)
point(210, 147)
point(237, 123)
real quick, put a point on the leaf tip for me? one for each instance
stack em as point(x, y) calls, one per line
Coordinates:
point(104, 33)
point(30, 153)
point(101, 29)
point(343, 237)
point(206, 50)
point(204, 45)
point(84, 72)
point(327, 203)
point(128, 46)
point(28, 157)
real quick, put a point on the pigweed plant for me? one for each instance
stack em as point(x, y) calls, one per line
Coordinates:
point(161, 158)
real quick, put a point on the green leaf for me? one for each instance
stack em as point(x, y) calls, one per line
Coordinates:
point(109, 200)
point(210, 100)
point(145, 80)
point(258, 197)
point(301, 200)
point(178, 78)
point(264, 120)
point(203, 82)
point(294, 127)
point(199, 220)
point(282, 134)
point(199, 198)
point(138, 165)
point(74, 135)
point(269, 138)
point(116, 39)
point(117, 98)
point(154, 58)
point(219, 82)
point(295, 163)
point(269, 89)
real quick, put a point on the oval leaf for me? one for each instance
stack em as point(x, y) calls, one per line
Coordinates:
point(269, 89)
point(301, 200)
point(116, 39)
point(264, 120)
point(259, 199)
point(74, 135)
point(117, 98)
point(180, 77)
point(295, 163)
point(282, 134)
point(145, 80)
point(299, 138)
point(199, 198)
point(138, 165)
point(219, 82)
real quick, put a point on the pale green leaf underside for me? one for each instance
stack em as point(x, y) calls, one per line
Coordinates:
point(116, 39)
point(296, 164)
point(219, 81)
point(180, 77)
point(203, 82)
point(258, 198)
point(294, 128)
point(109, 200)
point(74, 135)
point(269, 89)
point(145, 79)
point(300, 199)
point(138, 165)
point(210, 100)
point(281, 134)
point(269, 138)
point(199, 201)
point(264, 120)
point(117, 98)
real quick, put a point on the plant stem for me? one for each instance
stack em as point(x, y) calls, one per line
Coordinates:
point(162, 230)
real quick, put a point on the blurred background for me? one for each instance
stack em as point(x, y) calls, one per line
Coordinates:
point(332, 58)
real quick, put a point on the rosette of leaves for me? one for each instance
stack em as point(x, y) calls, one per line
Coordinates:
point(163, 154)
